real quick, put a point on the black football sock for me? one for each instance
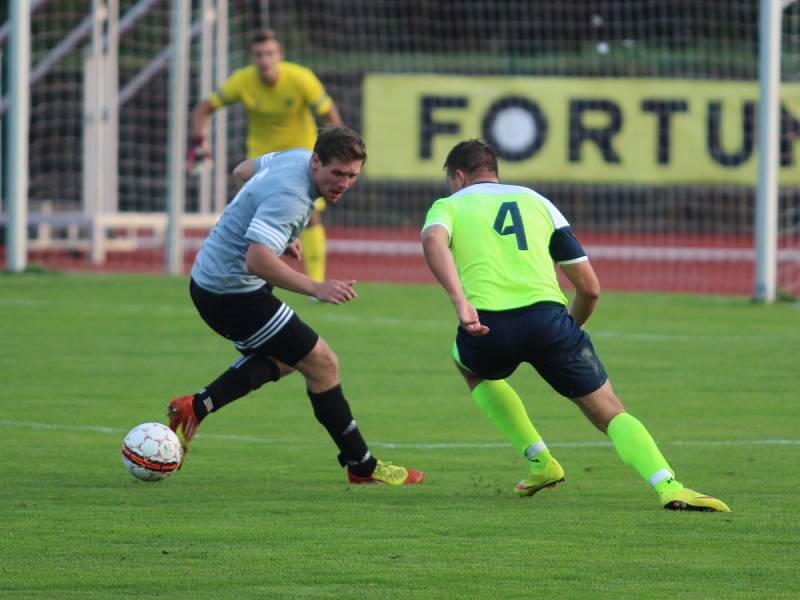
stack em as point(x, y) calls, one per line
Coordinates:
point(244, 376)
point(332, 410)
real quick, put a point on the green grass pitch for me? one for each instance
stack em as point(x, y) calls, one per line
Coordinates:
point(261, 508)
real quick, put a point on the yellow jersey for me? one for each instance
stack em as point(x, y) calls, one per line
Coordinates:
point(278, 116)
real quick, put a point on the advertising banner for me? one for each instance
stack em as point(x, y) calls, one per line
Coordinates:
point(558, 129)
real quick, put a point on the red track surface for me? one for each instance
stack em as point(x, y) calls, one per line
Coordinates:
point(688, 274)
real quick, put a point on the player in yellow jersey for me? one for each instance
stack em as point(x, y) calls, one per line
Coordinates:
point(281, 100)
point(492, 247)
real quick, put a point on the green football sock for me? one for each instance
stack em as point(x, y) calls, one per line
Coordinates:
point(503, 406)
point(638, 450)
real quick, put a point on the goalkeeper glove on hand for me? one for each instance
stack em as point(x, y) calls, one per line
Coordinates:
point(197, 154)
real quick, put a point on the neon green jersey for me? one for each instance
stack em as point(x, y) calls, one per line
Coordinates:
point(500, 241)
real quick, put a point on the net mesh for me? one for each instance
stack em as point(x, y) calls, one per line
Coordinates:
point(660, 235)
point(678, 237)
point(56, 161)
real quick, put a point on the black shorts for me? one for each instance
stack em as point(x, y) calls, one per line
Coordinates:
point(256, 322)
point(544, 335)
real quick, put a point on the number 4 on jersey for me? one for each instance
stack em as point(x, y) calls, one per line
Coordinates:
point(516, 223)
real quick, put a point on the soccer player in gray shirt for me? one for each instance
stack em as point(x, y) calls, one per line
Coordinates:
point(232, 281)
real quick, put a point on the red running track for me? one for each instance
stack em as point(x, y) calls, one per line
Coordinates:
point(642, 262)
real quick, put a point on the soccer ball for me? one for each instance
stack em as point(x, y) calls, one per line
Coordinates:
point(151, 452)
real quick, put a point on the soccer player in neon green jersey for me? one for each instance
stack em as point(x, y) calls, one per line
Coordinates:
point(492, 248)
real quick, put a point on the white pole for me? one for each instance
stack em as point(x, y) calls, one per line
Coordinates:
point(94, 162)
point(221, 116)
point(5, 30)
point(176, 136)
point(74, 38)
point(90, 124)
point(92, 155)
point(208, 16)
point(769, 73)
point(17, 155)
point(110, 200)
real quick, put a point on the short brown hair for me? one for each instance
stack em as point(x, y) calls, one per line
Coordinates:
point(470, 156)
point(264, 35)
point(337, 141)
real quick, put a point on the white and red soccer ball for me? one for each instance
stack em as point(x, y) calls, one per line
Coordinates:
point(151, 452)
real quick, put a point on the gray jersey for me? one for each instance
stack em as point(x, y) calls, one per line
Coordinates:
point(272, 208)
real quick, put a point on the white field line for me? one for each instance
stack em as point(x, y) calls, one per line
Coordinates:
point(399, 445)
point(613, 252)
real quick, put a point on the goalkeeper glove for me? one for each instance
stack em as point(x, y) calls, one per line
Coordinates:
point(197, 154)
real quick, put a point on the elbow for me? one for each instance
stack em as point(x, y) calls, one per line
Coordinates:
point(200, 115)
point(239, 176)
point(592, 292)
point(588, 288)
point(243, 171)
point(205, 107)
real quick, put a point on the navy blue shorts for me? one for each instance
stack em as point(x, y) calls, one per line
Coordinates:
point(256, 322)
point(543, 335)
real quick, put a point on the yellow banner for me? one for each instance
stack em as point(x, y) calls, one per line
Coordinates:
point(652, 131)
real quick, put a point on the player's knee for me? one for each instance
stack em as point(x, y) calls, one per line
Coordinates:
point(470, 378)
point(322, 359)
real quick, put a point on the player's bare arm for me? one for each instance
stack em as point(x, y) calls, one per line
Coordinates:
point(200, 116)
point(442, 265)
point(244, 171)
point(587, 289)
point(262, 262)
point(198, 149)
point(294, 249)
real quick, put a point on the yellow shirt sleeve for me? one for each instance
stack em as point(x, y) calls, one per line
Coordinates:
point(230, 92)
point(315, 94)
